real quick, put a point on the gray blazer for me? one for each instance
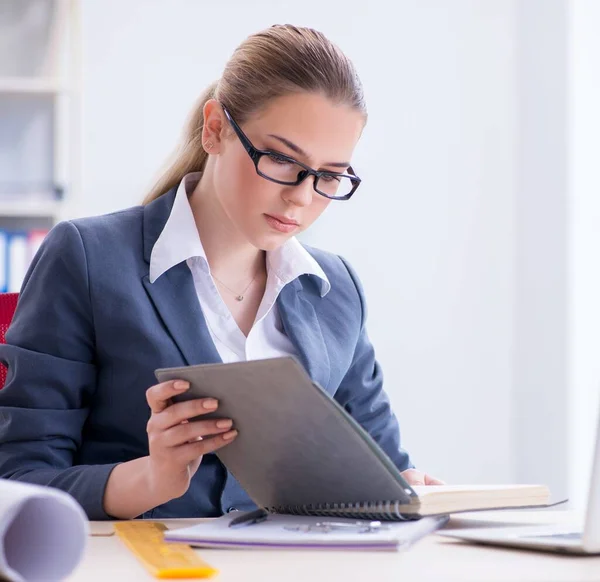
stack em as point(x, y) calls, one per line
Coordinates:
point(90, 329)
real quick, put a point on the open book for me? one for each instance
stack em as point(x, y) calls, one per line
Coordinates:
point(436, 499)
point(43, 532)
point(299, 452)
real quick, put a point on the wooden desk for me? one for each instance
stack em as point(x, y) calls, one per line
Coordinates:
point(433, 559)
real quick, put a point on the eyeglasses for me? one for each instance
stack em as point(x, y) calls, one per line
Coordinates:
point(283, 169)
point(331, 526)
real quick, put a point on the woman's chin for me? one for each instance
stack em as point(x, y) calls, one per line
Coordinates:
point(269, 242)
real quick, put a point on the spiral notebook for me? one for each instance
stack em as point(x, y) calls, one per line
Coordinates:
point(290, 532)
point(299, 452)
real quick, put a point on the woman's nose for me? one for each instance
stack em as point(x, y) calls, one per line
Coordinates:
point(300, 195)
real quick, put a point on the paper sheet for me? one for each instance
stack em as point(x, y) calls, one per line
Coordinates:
point(43, 532)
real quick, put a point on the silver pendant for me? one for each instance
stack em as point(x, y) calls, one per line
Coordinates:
point(240, 297)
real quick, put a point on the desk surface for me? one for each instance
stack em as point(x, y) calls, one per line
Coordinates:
point(432, 559)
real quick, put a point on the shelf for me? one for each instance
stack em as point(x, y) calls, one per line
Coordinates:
point(26, 209)
point(24, 85)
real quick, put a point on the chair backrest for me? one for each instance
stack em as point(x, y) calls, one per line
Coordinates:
point(8, 304)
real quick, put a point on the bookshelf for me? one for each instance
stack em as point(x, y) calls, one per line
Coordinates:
point(38, 106)
point(21, 86)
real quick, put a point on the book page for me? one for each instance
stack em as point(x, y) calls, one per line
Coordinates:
point(488, 490)
point(438, 499)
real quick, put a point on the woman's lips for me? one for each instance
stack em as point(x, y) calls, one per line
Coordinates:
point(281, 224)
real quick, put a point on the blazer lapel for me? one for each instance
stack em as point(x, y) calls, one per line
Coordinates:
point(302, 327)
point(174, 294)
point(175, 299)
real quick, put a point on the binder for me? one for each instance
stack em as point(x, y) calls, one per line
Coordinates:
point(300, 453)
point(17, 250)
point(3, 261)
point(36, 238)
point(18, 260)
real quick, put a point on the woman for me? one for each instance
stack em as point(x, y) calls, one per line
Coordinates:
point(206, 270)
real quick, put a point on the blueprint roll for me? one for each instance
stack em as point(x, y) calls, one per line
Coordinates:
point(43, 532)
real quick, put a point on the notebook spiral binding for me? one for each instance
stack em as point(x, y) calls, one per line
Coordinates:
point(381, 510)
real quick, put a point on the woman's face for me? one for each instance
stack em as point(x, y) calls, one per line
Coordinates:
point(307, 127)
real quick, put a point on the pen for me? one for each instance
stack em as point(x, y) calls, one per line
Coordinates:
point(425, 526)
point(249, 518)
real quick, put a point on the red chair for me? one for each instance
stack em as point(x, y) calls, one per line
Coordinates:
point(8, 304)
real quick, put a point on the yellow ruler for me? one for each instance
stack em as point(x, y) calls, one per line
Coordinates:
point(162, 559)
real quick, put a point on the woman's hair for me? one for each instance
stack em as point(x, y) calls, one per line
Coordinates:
point(278, 61)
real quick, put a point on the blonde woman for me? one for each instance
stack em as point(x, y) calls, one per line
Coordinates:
point(207, 269)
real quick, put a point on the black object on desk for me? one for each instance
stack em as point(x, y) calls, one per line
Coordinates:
point(249, 518)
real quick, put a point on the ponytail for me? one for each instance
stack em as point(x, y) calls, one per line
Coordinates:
point(191, 156)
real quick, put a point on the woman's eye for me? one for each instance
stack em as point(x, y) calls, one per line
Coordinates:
point(327, 178)
point(278, 159)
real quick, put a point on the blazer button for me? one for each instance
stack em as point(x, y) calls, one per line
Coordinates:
point(232, 509)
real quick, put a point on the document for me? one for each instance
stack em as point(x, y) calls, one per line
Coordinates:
point(43, 532)
point(304, 532)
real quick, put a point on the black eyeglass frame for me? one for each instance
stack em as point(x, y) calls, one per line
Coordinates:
point(256, 154)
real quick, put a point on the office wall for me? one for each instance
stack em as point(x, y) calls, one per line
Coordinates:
point(557, 313)
point(432, 230)
point(540, 390)
point(583, 241)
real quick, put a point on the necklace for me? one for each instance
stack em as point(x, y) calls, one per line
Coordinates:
point(239, 297)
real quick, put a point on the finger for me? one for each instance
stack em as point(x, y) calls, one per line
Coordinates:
point(189, 452)
point(433, 481)
point(413, 477)
point(158, 396)
point(182, 411)
point(193, 431)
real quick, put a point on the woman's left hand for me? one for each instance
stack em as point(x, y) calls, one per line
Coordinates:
point(415, 477)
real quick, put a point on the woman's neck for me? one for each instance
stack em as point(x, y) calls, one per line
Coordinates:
point(230, 256)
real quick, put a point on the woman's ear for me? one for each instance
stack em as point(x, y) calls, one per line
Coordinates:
point(212, 132)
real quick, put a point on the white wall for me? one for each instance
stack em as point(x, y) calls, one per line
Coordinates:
point(431, 232)
point(540, 390)
point(584, 240)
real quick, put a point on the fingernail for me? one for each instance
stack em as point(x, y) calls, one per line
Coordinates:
point(181, 385)
point(210, 403)
point(229, 435)
point(224, 423)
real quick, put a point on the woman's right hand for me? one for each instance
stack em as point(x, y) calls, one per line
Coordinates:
point(177, 445)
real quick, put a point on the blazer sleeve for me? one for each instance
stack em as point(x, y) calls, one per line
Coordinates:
point(50, 355)
point(361, 392)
